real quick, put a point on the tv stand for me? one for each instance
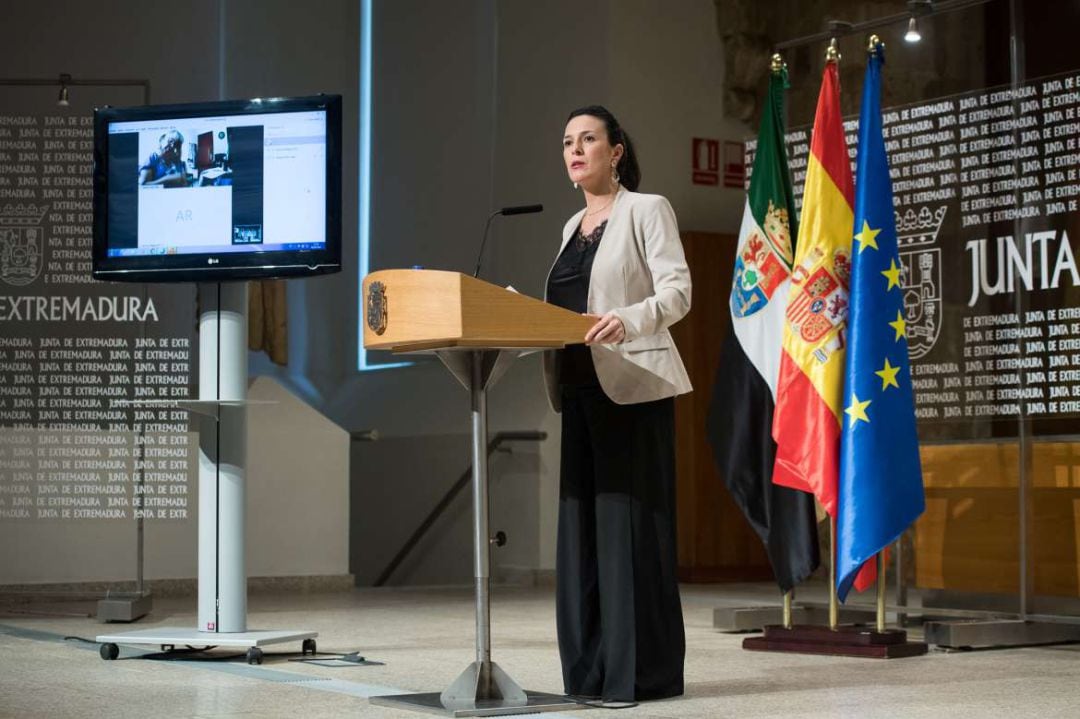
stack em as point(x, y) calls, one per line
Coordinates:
point(221, 412)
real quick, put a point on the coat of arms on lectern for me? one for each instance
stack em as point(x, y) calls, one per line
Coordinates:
point(920, 276)
point(376, 307)
point(22, 243)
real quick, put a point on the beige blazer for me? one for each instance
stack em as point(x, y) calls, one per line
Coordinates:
point(640, 274)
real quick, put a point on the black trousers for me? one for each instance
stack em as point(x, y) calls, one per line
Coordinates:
point(619, 615)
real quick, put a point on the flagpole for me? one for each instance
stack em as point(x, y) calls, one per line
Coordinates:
point(776, 67)
point(881, 591)
point(832, 54)
point(834, 602)
point(872, 47)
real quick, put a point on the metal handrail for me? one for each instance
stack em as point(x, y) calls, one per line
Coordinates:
point(436, 512)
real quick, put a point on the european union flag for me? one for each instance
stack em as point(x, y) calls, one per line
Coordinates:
point(881, 491)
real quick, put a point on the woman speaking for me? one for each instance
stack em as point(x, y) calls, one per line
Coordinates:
point(621, 261)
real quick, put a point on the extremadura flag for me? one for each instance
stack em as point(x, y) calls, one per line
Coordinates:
point(741, 412)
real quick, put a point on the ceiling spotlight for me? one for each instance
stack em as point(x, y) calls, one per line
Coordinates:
point(912, 34)
point(62, 99)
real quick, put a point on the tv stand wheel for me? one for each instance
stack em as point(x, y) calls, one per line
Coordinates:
point(254, 655)
point(308, 647)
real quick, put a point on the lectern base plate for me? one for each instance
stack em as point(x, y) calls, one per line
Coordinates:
point(431, 703)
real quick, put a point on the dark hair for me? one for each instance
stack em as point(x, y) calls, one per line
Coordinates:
point(629, 172)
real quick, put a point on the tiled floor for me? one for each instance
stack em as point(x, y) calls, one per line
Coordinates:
point(425, 638)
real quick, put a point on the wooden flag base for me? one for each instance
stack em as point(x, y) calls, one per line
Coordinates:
point(844, 641)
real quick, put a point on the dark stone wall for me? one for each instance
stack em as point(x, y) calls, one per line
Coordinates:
point(961, 50)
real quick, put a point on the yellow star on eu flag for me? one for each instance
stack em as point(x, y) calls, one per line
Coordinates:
point(888, 375)
point(867, 238)
point(893, 275)
point(899, 325)
point(857, 411)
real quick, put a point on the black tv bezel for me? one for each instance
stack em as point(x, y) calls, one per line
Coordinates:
point(211, 267)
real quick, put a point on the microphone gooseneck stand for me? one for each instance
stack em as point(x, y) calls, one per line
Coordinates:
point(507, 211)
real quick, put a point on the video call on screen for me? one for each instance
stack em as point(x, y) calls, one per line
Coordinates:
point(222, 184)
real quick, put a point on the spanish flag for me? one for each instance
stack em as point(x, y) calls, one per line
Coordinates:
point(810, 388)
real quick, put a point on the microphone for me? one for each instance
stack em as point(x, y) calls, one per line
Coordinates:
point(521, 210)
point(515, 210)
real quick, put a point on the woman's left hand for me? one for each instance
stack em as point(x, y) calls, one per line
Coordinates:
point(607, 330)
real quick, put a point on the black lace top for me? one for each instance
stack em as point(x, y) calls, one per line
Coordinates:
point(568, 286)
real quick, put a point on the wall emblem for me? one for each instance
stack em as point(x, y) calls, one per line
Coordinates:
point(920, 276)
point(22, 243)
point(376, 307)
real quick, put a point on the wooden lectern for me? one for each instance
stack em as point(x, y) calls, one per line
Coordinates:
point(477, 329)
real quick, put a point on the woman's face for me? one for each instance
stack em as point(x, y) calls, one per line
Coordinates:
point(588, 154)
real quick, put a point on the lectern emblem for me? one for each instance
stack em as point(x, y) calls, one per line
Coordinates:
point(920, 276)
point(22, 243)
point(376, 307)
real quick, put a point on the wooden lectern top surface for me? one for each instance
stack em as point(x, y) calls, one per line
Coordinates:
point(429, 310)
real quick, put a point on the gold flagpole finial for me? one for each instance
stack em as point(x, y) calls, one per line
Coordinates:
point(832, 54)
point(875, 41)
point(776, 63)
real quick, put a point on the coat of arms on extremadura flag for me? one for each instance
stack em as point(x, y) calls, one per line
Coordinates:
point(762, 263)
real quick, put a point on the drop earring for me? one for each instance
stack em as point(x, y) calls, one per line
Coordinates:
point(575, 185)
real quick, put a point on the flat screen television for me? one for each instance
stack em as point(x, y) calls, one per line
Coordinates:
point(218, 191)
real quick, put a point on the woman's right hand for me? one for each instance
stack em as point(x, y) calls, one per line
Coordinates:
point(608, 329)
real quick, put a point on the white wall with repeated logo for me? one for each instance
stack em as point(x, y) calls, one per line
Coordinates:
point(468, 105)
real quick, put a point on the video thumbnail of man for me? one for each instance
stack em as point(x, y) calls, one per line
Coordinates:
point(173, 160)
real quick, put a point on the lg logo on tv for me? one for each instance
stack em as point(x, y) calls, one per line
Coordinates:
point(212, 260)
